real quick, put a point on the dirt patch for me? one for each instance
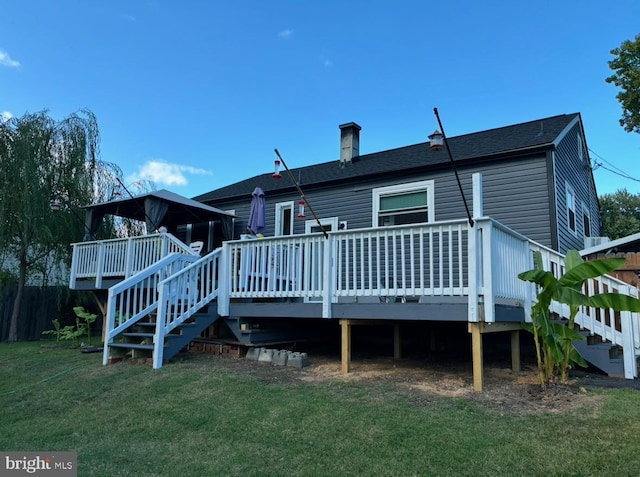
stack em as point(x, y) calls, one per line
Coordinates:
point(425, 381)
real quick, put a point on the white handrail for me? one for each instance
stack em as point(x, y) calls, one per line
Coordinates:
point(622, 329)
point(115, 258)
point(134, 298)
point(182, 294)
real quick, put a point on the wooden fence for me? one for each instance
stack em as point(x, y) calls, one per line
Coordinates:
point(39, 307)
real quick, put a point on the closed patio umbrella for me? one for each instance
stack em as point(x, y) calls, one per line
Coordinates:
point(256, 224)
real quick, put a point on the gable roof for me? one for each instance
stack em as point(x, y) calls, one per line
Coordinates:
point(530, 137)
point(180, 210)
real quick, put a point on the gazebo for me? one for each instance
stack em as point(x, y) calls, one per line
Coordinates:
point(159, 208)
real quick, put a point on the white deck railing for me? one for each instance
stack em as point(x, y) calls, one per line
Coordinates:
point(121, 258)
point(412, 260)
point(441, 259)
point(183, 294)
point(620, 328)
point(136, 297)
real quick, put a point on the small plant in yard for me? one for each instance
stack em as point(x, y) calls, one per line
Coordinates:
point(88, 318)
point(57, 332)
point(553, 340)
point(74, 333)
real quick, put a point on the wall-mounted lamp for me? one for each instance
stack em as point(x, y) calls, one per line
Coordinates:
point(301, 214)
point(304, 201)
point(276, 174)
point(436, 141)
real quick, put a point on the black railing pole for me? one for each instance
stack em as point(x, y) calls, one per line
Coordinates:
point(453, 166)
point(304, 197)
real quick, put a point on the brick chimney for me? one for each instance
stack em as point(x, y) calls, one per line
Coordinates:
point(349, 142)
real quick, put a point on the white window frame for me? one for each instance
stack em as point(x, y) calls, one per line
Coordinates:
point(280, 206)
point(332, 221)
point(400, 189)
point(570, 192)
point(580, 148)
point(586, 213)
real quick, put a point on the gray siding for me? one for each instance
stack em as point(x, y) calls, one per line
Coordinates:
point(569, 168)
point(515, 193)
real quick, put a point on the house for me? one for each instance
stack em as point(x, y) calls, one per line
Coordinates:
point(537, 180)
point(392, 237)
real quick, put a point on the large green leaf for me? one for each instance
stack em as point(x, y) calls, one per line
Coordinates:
point(616, 301)
point(539, 277)
point(591, 269)
point(564, 332)
point(570, 296)
point(576, 357)
point(573, 259)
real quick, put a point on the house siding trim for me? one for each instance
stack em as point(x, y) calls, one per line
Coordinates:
point(399, 189)
point(553, 215)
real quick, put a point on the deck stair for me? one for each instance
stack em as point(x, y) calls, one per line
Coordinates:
point(158, 311)
point(603, 355)
point(256, 332)
point(137, 342)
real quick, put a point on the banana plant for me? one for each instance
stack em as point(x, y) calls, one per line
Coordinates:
point(554, 339)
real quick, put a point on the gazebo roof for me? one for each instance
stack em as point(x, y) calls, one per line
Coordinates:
point(180, 210)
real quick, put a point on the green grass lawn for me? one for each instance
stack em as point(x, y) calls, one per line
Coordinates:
point(199, 416)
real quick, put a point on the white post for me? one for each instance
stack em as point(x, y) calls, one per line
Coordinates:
point(74, 267)
point(224, 280)
point(628, 348)
point(100, 264)
point(327, 278)
point(110, 324)
point(487, 272)
point(128, 261)
point(478, 206)
point(158, 337)
point(472, 272)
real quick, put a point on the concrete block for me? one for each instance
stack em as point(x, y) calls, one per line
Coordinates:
point(253, 354)
point(280, 357)
point(266, 355)
point(298, 360)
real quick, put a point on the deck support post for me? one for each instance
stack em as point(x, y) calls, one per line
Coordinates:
point(346, 346)
point(397, 350)
point(476, 350)
point(515, 351)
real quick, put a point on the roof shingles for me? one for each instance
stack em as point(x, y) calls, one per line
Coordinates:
point(482, 145)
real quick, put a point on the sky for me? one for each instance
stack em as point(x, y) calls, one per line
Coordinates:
point(195, 95)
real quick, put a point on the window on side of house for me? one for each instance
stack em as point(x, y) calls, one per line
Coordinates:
point(284, 218)
point(571, 208)
point(580, 147)
point(586, 220)
point(403, 204)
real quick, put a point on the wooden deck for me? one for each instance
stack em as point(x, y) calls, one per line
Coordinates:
point(441, 271)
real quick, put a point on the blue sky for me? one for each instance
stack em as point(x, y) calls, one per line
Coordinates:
point(196, 94)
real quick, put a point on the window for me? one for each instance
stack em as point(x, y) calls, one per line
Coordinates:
point(284, 218)
point(328, 224)
point(586, 220)
point(571, 208)
point(580, 148)
point(403, 204)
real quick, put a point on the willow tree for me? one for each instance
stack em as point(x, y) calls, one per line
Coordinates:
point(48, 172)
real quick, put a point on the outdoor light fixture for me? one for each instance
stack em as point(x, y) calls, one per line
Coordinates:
point(276, 174)
point(55, 205)
point(301, 210)
point(436, 141)
point(303, 198)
